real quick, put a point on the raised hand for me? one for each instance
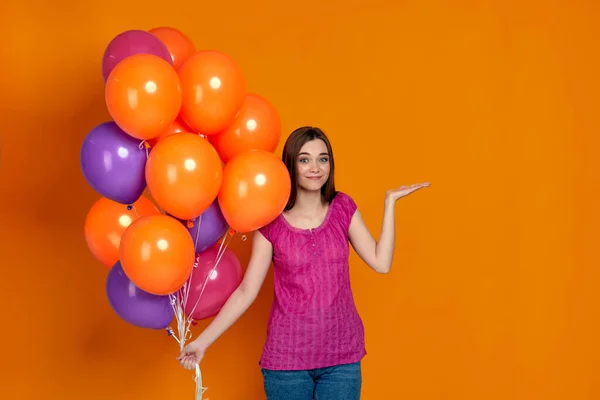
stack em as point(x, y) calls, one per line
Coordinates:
point(402, 191)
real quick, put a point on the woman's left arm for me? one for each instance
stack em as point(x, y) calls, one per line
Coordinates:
point(379, 254)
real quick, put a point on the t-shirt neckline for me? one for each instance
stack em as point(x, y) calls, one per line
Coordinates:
point(321, 226)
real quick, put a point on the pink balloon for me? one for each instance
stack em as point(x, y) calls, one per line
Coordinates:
point(132, 42)
point(223, 281)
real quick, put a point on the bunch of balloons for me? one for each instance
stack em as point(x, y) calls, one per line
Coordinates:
point(185, 129)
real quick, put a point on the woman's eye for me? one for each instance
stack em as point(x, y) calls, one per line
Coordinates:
point(324, 160)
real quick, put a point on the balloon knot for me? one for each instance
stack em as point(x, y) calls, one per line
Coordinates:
point(129, 207)
point(231, 232)
point(170, 331)
point(190, 224)
point(194, 323)
point(203, 136)
point(146, 144)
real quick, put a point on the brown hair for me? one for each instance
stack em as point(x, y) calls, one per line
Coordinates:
point(291, 149)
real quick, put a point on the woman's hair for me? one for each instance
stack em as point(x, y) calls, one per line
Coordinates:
point(292, 148)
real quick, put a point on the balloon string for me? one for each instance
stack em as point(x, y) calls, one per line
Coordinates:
point(199, 389)
point(187, 284)
point(132, 207)
point(220, 253)
point(148, 194)
point(199, 222)
point(145, 145)
point(181, 339)
point(179, 302)
point(224, 243)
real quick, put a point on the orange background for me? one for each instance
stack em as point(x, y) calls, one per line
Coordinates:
point(493, 292)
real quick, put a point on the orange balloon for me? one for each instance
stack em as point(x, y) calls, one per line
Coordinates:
point(143, 95)
point(213, 91)
point(157, 254)
point(180, 46)
point(177, 126)
point(257, 126)
point(184, 174)
point(256, 188)
point(105, 223)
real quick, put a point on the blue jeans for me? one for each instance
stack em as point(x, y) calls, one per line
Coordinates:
point(340, 382)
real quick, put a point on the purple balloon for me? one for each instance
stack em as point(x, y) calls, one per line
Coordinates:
point(114, 163)
point(129, 43)
point(134, 305)
point(212, 227)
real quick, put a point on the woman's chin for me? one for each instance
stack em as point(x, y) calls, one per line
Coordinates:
point(311, 187)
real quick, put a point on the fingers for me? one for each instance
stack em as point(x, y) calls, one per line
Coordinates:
point(403, 191)
point(184, 353)
point(188, 362)
point(418, 186)
point(414, 186)
point(409, 189)
point(406, 190)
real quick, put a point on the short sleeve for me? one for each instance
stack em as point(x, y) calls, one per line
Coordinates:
point(265, 231)
point(272, 231)
point(346, 206)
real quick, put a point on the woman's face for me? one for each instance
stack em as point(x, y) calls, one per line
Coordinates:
point(313, 165)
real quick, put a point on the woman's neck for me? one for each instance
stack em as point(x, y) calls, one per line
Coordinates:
point(307, 202)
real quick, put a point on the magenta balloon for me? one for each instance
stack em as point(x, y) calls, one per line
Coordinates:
point(221, 284)
point(129, 43)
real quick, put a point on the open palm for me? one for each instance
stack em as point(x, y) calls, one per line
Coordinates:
point(403, 191)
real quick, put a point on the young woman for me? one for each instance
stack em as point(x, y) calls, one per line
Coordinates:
point(315, 337)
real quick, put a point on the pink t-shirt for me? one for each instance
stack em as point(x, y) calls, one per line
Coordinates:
point(313, 322)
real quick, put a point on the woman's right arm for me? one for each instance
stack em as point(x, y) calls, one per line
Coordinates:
point(240, 299)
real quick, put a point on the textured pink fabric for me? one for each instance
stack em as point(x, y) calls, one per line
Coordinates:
point(313, 322)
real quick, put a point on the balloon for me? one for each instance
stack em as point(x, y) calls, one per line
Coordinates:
point(184, 174)
point(143, 95)
point(177, 126)
point(257, 126)
point(212, 227)
point(222, 283)
point(113, 163)
point(180, 46)
point(135, 306)
point(157, 254)
point(105, 223)
point(129, 43)
point(256, 187)
point(222, 86)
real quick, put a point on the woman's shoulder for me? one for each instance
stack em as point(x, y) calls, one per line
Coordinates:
point(269, 230)
point(345, 205)
point(344, 199)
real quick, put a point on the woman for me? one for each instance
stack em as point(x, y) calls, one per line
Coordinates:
point(315, 337)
